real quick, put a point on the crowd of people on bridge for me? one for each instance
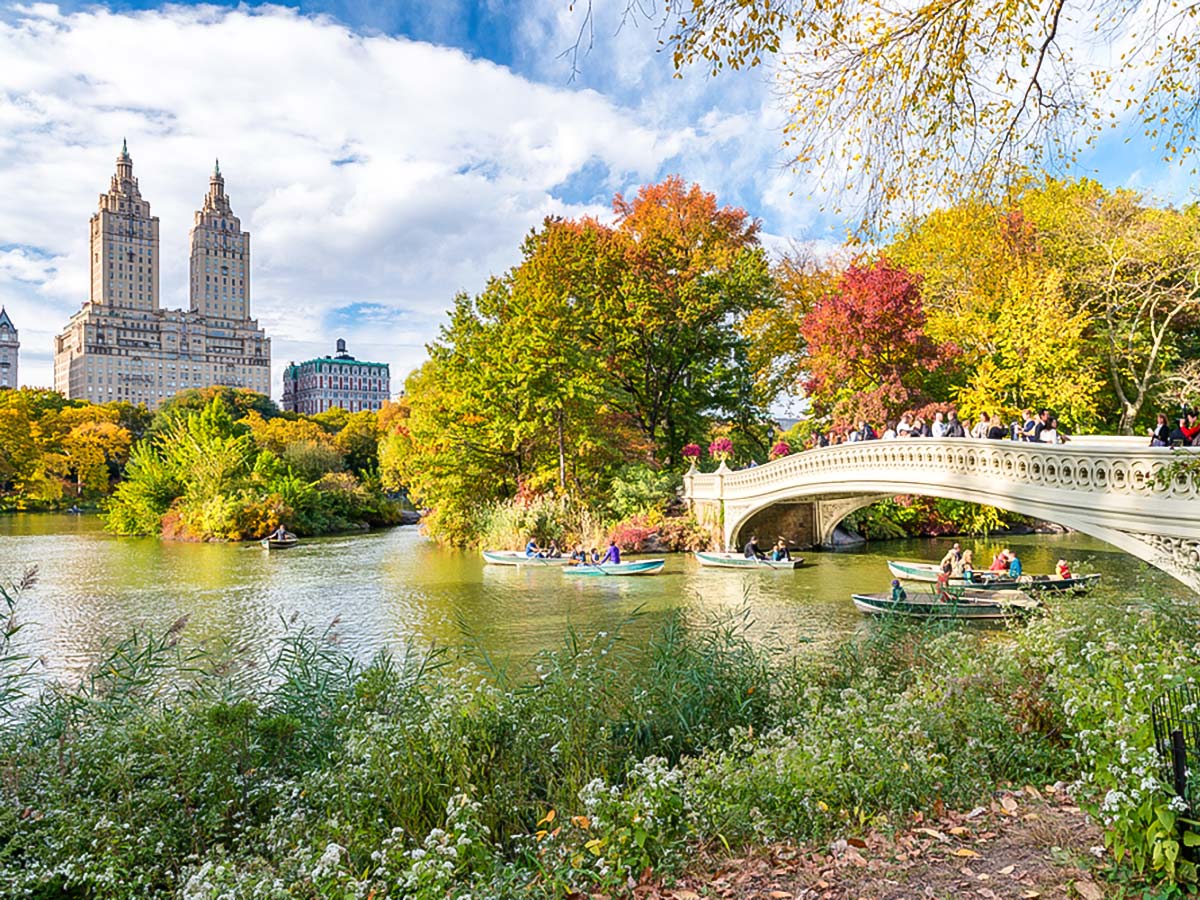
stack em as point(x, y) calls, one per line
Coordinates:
point(1186, 432)
point(1040, 427)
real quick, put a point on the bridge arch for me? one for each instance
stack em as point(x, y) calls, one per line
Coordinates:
point(1110, 489)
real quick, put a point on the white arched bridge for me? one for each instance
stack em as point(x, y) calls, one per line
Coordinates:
point(1135, 497)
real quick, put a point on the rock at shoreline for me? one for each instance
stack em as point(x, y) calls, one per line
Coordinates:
point(843, 537)
point(410, 517)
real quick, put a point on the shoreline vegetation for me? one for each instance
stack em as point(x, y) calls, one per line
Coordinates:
point(604, 764)
point(565, 399)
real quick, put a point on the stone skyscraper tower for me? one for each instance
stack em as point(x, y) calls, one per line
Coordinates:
point(124, 244)
point(220, 258)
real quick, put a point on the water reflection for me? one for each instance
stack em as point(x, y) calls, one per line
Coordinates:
point(392, 587)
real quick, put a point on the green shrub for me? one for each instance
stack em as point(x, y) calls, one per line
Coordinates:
point(430, 774)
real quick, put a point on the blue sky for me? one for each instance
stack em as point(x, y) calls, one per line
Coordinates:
point(383, 155)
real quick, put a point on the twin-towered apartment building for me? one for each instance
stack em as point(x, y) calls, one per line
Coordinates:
point(123, 346)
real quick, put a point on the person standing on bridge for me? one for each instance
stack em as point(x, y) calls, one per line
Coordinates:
point(1160, 434)
point(938, 428)
point(866, 432)
point(1028, 423)
point(996, 430)
point(1043, 422)
point(954, 428)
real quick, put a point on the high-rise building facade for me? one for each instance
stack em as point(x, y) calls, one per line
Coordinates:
point(220, 260)
point(335, 381)
point(9, 348)
point(122, 346)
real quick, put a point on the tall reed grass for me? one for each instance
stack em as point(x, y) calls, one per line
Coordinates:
point(435, 772)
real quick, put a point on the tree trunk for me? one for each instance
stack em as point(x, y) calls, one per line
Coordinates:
point(562, 455)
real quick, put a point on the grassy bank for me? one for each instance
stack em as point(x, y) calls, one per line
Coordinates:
point(438, 773)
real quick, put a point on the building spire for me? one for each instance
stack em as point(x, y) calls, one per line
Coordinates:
point(217, 168)
point(124, 148)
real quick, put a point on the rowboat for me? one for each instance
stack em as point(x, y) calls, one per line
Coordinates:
point(604, 570)
point(739, 561)
point(518, 558)
point(270, 543)
point(955, 604)
point(993, 581)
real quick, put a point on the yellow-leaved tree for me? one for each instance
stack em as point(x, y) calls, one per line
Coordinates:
point(896, 107)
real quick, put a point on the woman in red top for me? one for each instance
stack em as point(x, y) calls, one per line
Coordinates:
point(1190, 428)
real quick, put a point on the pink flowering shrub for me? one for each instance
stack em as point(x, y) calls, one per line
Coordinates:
point(721, 449)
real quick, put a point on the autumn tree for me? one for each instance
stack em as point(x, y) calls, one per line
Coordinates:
point(605, 346)
point(988, 287)
point(1135, 270)
point(896, 107)
point(868, 354)
point(776, 346)
point(94, 447)
point(690, 272)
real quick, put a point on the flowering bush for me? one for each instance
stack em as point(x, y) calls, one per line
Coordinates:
point(635, 534)
point(691, 452)
point(721, 449)
point(780, 449)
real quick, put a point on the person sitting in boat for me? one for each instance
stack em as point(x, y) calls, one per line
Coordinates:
point(533, 551)
point(579, 556)
point(613, 555)
point(751, 551)
point(1062, 570)
point(943, 583)
point(595, 557)
point(899, 594)
point(280, 533)
point(967, 566)
point(1014, 564)
point(952, 560)
point(553, 552)
point(999, 562)
point(781, 553)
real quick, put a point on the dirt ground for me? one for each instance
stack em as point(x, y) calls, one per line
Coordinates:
point(1028, 843)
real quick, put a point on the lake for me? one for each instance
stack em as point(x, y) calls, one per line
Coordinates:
point(392, 587)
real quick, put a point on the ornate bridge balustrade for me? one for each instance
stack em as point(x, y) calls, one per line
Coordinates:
point(1109, 488)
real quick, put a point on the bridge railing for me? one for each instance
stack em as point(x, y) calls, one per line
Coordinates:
point(1100, 465)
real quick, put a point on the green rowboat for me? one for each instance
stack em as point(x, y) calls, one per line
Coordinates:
point(607, 570)
point(740, 561)
point(982, 605)
point(992, 581)
point(518, 558)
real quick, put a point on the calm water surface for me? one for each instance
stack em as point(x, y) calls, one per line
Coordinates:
point(392, 587)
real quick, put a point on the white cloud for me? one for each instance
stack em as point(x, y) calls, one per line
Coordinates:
point(369, 169)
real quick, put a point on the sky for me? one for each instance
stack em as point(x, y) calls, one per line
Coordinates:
point(383, 155)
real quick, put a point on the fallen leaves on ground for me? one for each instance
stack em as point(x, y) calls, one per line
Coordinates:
point(1027, 843)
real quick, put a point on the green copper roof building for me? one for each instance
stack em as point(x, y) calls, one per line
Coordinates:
point(335, 381)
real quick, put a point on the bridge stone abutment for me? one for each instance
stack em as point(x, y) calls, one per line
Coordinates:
point(1114, 489)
